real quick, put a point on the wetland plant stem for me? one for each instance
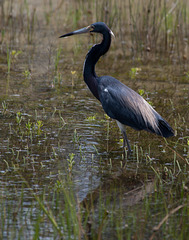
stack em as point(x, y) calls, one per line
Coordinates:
point(156, 228)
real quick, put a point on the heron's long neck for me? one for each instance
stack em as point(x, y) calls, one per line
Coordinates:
point(92, 58)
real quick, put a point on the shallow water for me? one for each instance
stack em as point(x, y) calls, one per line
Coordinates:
point(74, 124)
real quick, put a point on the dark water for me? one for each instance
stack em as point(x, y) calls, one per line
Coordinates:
point(74, 124)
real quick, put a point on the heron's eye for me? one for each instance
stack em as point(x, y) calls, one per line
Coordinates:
point(92, 28)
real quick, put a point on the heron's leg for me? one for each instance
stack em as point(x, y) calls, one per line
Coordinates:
point(125, 141)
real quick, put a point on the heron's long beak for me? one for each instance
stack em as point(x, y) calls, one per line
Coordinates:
point(80, 31)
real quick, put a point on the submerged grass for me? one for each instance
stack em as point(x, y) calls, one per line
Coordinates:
point(111, 210)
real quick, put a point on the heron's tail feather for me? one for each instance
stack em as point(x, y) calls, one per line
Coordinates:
point(165, 129)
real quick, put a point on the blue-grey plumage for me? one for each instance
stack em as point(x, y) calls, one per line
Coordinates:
point(120, 102)
point(129, 108)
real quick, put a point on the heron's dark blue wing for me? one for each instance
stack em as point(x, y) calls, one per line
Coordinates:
point(128, 107)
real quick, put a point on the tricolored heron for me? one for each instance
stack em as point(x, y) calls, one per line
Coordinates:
point(119, 102)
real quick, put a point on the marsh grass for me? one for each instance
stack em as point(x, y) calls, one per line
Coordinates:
point(111, 209)
point(101, 213)
point(143, 28)
point(8, 60)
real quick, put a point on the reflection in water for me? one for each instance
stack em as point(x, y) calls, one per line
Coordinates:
point(126, 185)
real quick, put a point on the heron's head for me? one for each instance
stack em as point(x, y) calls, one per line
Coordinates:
point(98, 27)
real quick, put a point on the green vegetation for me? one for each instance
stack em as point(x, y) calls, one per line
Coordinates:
point(27, 74)
point(8, 60)
point(133, 72)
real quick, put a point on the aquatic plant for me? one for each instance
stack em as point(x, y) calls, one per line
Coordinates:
point(133, 72)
